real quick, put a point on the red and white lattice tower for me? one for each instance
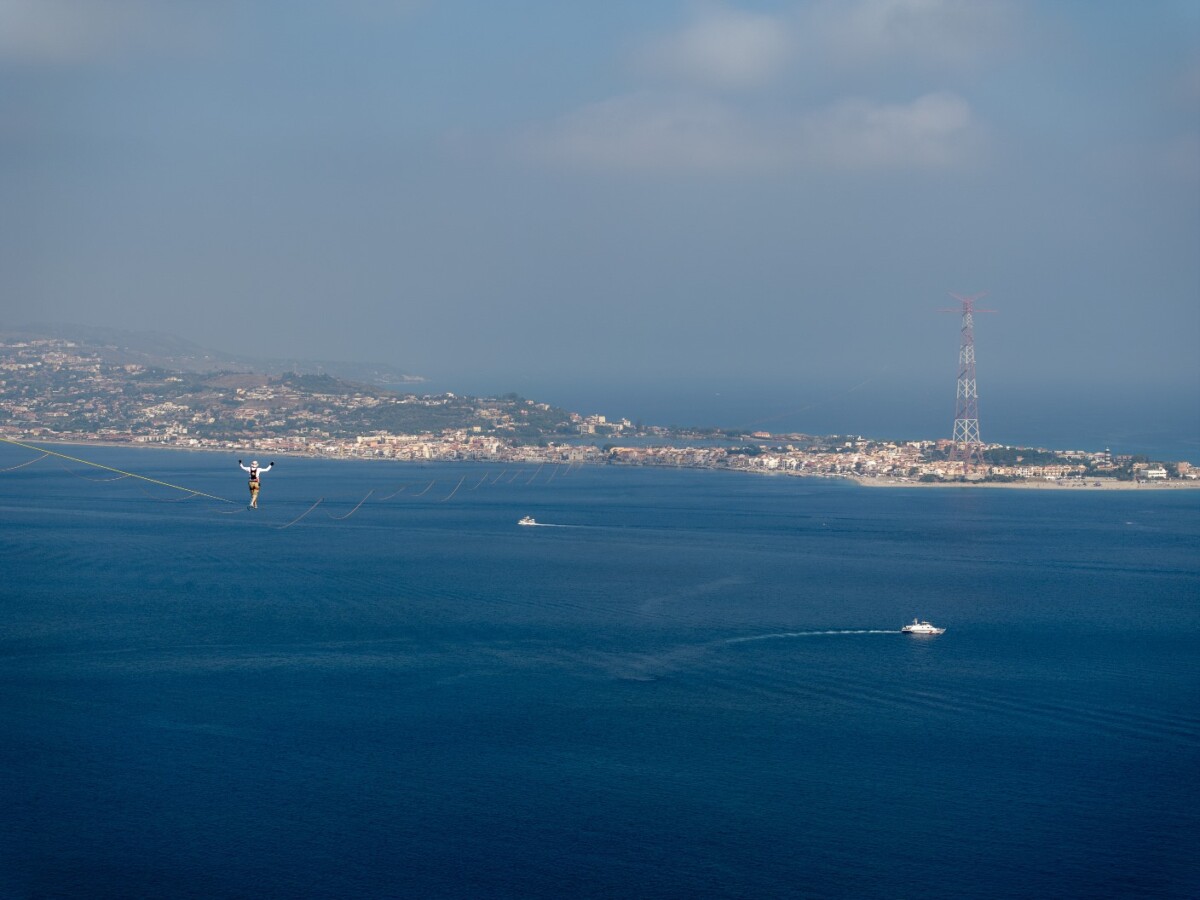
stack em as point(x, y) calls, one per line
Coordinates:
point(968, 448)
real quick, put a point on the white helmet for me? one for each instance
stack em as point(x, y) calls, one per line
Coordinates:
point(254, 465)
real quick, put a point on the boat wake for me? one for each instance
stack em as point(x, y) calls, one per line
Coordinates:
point(654, 666)
point(797, 634)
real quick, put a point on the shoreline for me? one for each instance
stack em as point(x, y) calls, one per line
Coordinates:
point(866, 481)
point(1109, 484)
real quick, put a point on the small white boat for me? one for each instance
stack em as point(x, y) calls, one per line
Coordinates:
point(526, 520)
point(921, 628)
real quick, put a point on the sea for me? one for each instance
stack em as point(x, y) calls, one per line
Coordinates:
point(680, 683)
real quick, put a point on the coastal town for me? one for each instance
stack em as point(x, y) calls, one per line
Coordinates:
point(61, 390)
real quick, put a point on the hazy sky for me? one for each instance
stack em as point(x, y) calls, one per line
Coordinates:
point(528, 194)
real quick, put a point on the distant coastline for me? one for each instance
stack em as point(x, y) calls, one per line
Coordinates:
point(111, 393)
point(530, 457)
point(1033, 484)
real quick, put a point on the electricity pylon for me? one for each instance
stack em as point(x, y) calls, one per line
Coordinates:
point(968, 447)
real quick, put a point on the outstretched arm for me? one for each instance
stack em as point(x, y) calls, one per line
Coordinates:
point(245, 467)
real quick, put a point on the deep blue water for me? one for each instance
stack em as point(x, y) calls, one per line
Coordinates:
point(424, 699)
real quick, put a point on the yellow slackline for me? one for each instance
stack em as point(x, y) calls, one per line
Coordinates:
point(194, 493)
point(173, 487)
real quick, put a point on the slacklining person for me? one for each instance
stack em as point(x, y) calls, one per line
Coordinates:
point(255, 471)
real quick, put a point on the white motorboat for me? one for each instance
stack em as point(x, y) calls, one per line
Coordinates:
point(918, 627)
point(526, 520)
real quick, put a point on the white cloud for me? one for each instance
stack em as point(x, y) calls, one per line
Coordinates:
point(656, 132)
point(928, 33)
point(703, 127)
point(934, 131)
point(649, 131)
point(723, 48)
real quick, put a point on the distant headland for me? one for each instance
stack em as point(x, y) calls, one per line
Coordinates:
point(108, 389)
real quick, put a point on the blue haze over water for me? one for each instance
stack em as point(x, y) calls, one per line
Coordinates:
point(693, 686)
point(1164, 425)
